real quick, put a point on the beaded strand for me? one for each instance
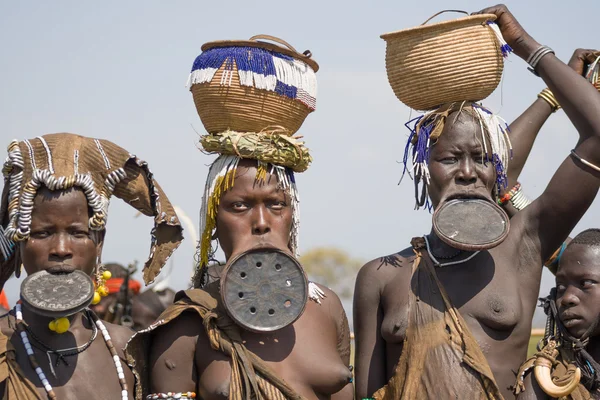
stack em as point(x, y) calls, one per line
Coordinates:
point(107, 339)
point(116, 359)
point(172, 395)
point(31, 355)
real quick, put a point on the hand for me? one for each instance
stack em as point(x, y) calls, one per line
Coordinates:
point(514, 34)
point(581, 58)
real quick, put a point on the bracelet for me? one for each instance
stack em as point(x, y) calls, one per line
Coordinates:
point(536, 56)
point(172, 395)
point(519, 201)
point(508, 195)
point(585, 162)
point(547, 95)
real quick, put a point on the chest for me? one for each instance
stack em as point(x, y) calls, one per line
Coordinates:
point(485, 296)
point(91, 374)
point(304, 355)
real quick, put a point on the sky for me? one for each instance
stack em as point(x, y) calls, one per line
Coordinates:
point(117, 70)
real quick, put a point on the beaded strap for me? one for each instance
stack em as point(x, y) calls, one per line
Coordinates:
point(172, 395)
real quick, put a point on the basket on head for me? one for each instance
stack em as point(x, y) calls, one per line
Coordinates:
point(247, 86)
point(455, 60)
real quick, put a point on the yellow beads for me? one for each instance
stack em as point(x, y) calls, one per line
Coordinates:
point(102, 291)
point(106, 275)
point(60, 325)
point(96, 298)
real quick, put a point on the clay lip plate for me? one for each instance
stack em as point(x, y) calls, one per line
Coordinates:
point(471, 224)
point(57, 295)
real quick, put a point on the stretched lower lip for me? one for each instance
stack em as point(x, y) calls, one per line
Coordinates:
point(61, 269)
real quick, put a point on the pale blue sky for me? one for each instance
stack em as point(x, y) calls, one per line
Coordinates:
point(116, 70)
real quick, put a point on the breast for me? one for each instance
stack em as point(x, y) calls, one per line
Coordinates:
point(501, 313)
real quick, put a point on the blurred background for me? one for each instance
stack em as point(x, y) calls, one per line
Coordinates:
point(117, 70)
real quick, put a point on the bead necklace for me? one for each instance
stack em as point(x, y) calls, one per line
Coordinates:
point(438, 264)
point(32, 360)
point(62, 353)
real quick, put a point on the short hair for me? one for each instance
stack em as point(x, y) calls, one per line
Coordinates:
point(589, 237)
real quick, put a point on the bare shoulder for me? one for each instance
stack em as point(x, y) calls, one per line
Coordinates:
point(183, 331)
point(377, 272)
point(119, 335)
point(171, 360)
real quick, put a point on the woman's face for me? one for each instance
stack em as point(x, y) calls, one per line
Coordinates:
point(253, 213)
point(60, 239)
point(457, 163)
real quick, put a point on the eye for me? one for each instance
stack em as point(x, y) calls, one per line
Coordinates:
point(560, 288)
point(80, 234)
point(587, 283)
point(479, 158)
point(449, 160)
point(39, 234)
point(279, 205)
point(239, 206)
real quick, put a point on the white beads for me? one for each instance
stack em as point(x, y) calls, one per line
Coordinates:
point(42, 376)
point(29, 349)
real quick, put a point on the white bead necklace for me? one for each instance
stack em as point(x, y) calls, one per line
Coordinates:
point(440, 265)
point(42, 376)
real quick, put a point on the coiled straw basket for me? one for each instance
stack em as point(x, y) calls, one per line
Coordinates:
point(245, 108)
point(449, 61)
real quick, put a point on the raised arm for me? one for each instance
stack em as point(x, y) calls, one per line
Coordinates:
point(549, 220)
point(369, 352)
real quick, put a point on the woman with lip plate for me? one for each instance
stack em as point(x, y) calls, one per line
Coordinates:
point(202, 346)
point(434, 321)
point(567, 363)
point(53, 218)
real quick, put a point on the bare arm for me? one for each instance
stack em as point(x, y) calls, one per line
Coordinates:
point(550, 219)
point(172, 356)
point(523, 132)
point(369, 354)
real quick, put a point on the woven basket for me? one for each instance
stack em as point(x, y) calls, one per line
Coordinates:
point(244, 108)
point(449, 61)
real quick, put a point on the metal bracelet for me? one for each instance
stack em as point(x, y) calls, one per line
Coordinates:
point(518, 200)
point(536, 56)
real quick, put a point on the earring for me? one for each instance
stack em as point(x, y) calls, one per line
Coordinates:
point(101, 290)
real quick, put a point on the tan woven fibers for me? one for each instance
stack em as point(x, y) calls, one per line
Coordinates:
point(271, 146)
point(244, 109)
point(449, 61)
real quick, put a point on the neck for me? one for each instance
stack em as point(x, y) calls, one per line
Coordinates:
point(39, 324)
point(593, 348)
point(440, 248)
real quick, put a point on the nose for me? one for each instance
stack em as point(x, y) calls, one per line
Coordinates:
point(261, 224)
point(569, 297)
point(467, 174)
point(61, 247)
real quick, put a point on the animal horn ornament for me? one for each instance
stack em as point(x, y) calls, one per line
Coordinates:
point(542, 369)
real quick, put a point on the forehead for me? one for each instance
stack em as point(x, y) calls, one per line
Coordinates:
point(579, 259)
point(246, 183)
point(65, 203)
point(461, 129)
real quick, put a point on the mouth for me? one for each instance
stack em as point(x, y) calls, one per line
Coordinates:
point(571, 320)
point(466, 196)
point(60, 269)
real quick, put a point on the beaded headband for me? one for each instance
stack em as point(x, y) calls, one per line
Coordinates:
point(100, 168)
